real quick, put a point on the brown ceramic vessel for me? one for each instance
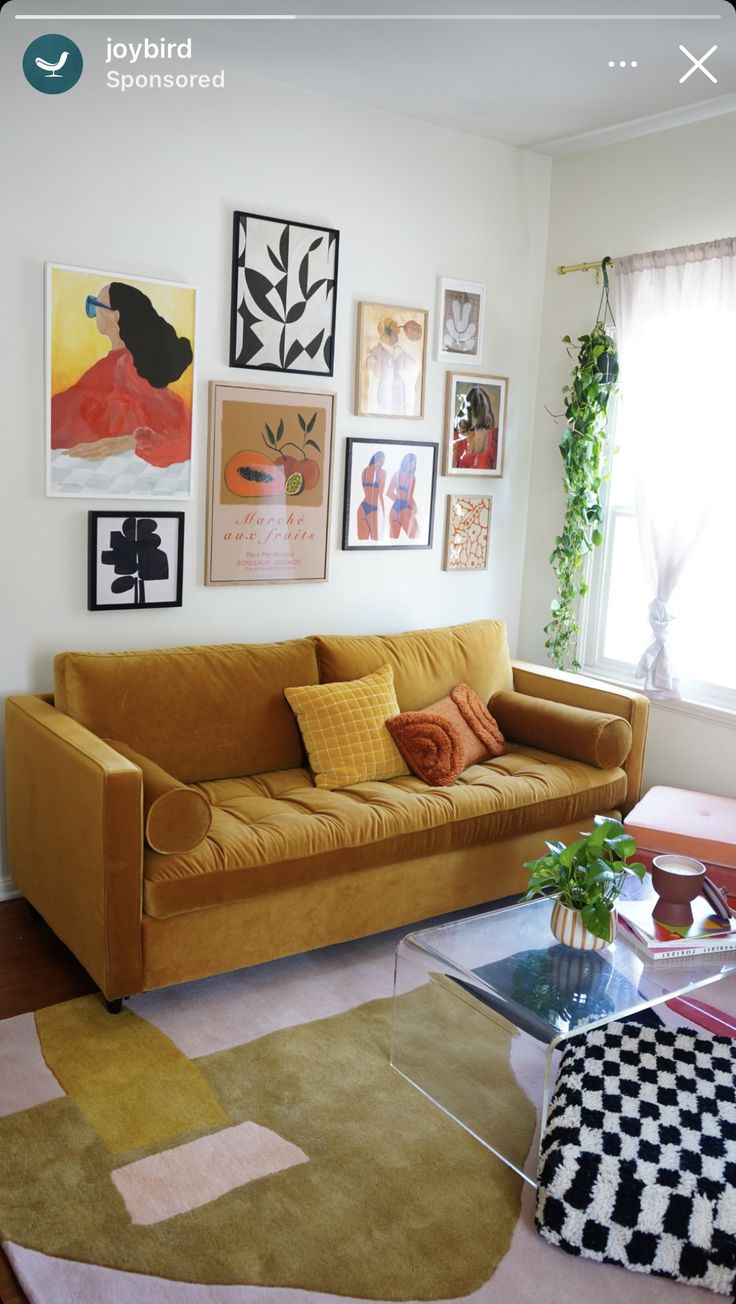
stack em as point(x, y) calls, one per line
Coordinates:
point(677, 880)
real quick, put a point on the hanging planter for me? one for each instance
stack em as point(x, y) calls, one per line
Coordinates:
point(582, 444)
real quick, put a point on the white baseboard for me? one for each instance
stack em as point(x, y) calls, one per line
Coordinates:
point(7, 888)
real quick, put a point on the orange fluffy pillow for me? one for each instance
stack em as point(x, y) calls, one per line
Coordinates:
point(441, 741)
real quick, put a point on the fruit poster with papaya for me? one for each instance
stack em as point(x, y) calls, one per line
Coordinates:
point(270, 462)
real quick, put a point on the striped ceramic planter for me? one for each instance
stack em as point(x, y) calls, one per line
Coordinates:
point(568, 927)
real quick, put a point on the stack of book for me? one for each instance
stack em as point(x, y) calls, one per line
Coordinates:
point(709, 931)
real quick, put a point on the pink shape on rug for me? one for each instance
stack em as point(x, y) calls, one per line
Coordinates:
point(214, 1014)
point(25, 1080)
point(704, 1016)
point(187, 1176)
point(551, 1278)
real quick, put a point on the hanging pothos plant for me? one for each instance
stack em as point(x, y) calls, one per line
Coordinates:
point(582, 444)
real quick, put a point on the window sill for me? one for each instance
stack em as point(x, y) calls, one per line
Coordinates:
point(707, 711)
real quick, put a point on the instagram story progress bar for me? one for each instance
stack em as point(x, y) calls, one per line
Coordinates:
point(374, 17)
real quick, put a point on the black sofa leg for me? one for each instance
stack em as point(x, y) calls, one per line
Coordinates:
point(114, 1007)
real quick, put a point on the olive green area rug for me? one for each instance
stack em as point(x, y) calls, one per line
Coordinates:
point(297, 1160)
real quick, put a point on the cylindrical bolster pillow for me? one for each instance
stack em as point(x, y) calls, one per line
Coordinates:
point(590, 736)
point(176, 818)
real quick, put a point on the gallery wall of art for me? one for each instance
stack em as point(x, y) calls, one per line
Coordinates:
point(151, 196)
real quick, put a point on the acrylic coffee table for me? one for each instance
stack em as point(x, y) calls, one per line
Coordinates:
point(501, 976)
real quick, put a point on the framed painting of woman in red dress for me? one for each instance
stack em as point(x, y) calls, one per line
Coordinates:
point(120, 381)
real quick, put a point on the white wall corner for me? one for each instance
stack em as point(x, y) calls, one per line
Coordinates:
point(7, 888)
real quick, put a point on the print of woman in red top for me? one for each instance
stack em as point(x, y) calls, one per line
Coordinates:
point(475, 442)
point(121, 402)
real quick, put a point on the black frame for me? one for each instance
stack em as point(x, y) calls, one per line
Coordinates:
point(346, 504)
point(286, 221)
point(92, 548)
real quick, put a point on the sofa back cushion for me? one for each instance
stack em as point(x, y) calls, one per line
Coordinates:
point(198, 712)
point(427, 663)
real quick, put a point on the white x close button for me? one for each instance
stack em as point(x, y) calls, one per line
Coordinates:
point(699, 63)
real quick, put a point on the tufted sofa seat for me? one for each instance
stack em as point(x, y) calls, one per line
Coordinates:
point(278, 830)
point(287, 866)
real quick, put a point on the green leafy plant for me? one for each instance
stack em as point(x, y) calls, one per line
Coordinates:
point(588, 875)
point(582, 449)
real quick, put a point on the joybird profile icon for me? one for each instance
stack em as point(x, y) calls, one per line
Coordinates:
point(53, 64)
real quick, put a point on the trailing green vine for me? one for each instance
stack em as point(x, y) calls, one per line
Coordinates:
point(592, 382)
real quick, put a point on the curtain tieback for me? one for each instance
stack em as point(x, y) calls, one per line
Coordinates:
point(660, 619)
point(655, 665)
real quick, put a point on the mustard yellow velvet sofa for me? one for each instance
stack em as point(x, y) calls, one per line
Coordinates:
point(286, 866)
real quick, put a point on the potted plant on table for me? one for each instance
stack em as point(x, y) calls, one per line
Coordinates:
point(586, 878)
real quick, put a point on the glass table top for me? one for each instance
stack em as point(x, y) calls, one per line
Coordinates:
point(509, 961)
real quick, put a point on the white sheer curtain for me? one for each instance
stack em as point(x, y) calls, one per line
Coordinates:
point(677, 348)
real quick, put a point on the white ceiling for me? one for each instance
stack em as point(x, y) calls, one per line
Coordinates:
point(520, 73)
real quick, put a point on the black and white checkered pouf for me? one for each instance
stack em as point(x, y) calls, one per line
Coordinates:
point(638, 1162)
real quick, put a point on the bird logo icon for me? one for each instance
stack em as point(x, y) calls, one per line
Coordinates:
point(52, 69)
point(53, 64)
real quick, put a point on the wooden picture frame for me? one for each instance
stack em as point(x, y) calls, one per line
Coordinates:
point(269, 484)
point(467, 532)
point(390, 361)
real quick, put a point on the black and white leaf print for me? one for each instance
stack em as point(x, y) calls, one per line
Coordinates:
point(284, 293)
point(296, 311)
point(280, 287)
point(292, 355)
point(276, 261)
point(313, 347)
point(284, 246)
point(260, 288)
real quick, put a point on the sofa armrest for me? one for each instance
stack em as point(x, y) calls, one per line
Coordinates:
point(593, 695)
point(75, 839)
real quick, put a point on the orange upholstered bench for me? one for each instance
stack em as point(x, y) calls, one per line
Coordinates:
point(693, 823)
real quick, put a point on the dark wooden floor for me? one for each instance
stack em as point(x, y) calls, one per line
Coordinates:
point(35, 970)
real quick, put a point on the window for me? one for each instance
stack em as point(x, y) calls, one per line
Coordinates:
point(671, 517)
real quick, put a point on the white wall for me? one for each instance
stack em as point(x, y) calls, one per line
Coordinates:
point(674, 187)
point(147, 184)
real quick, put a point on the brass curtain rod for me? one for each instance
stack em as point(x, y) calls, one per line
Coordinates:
point(564, 268)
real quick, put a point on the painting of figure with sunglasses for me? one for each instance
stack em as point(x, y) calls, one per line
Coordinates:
point(121, 386)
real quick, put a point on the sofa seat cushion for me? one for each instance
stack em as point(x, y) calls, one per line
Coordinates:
point(277, 830)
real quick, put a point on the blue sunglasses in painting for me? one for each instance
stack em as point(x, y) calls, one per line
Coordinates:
point(91, 304)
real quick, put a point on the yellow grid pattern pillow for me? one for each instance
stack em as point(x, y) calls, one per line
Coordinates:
point(344, 729)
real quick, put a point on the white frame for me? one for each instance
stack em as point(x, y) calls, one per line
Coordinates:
point(472, 359)
point(119, 276)
point(503, 384)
